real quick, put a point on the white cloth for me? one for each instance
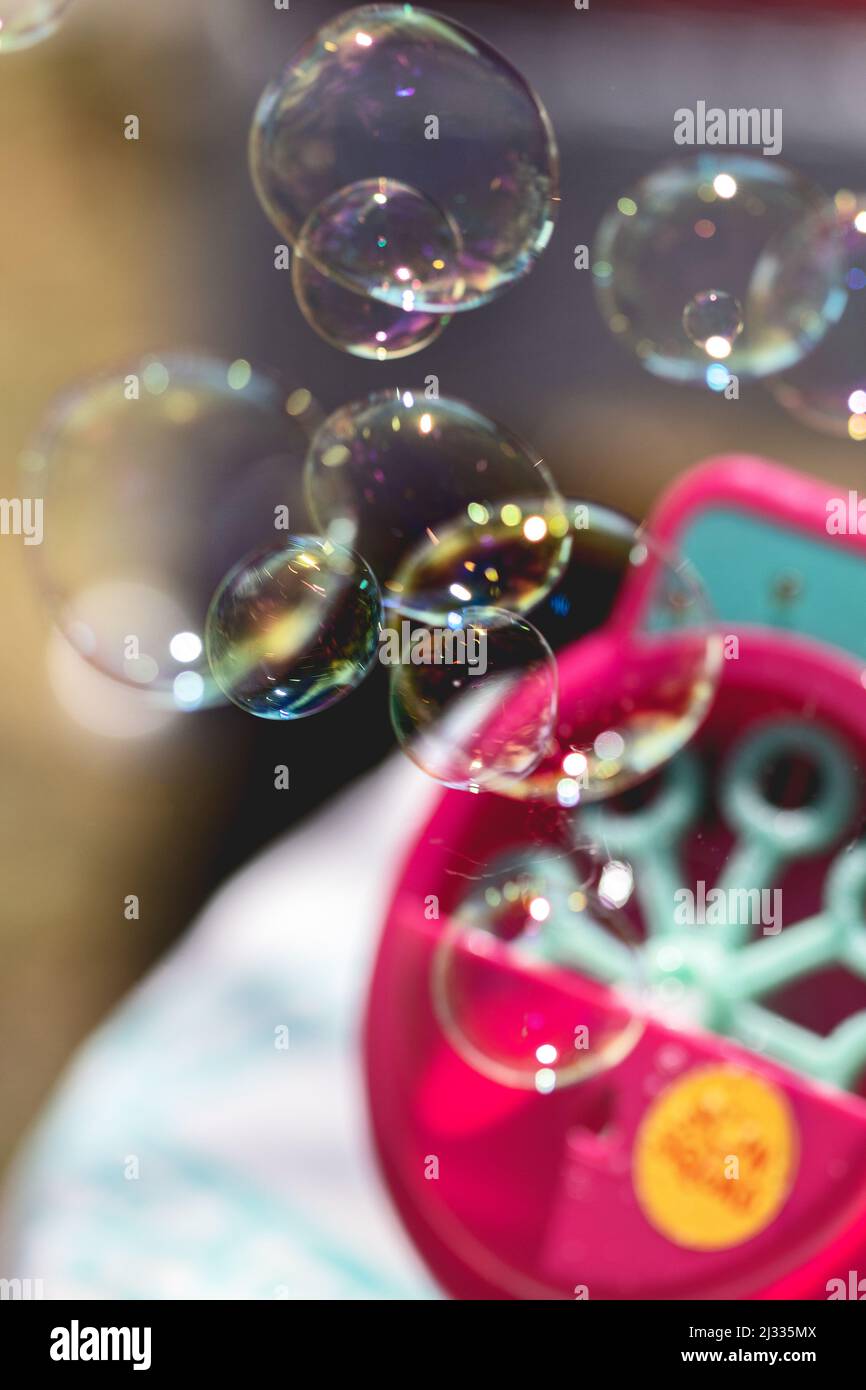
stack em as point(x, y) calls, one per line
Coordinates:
point(255, 1173)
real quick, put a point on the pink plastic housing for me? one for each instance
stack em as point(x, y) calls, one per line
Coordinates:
point(534, 1196)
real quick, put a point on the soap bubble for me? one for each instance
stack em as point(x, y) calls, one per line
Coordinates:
point(639, 657)
point(828, 390)
point(389, 89)
point(537, 980)
point(510, 553)
point(720, 223)
point(380, 236)
point(385, 239)
point(473, 703)
point(357, 324)
point(156, 479)
point(291, 631)
point(25, 22)
point(383, 474)
point(713, 320)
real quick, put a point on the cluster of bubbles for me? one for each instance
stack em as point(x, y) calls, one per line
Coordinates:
point(26, 22)
point(730, 264)
point(170, 564)
point(381, 262)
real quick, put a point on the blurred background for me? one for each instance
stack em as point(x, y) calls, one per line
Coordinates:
point(112, 248)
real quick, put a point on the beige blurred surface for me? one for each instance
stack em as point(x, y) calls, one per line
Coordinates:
point(95, 235)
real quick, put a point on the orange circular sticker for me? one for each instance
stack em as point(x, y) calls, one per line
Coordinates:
point(714, 1158)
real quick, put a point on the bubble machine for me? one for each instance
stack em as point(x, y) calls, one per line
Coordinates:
point(724, 1155)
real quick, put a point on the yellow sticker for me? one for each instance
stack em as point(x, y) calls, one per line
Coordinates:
point(714, 1158)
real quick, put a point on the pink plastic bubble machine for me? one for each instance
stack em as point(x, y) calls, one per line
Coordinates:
point(719, 1153)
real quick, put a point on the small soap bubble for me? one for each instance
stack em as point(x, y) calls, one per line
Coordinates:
point(26, 22)
point(398, 475)
point(158, 477)
point(713, 320)
point(723, 225)
point(537, 981)
point(474, 704)
point(827, 391)
point(385, 239)
point(291, 631)
point(390, 90)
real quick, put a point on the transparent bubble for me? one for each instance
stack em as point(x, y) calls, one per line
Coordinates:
point(390, 89)
point(473, 703)
point(359, 325)
point(639, 657)
point(157, 478)
point(379, 236)
point(828, 391)
point(25, 22)
point(537, 979)
point(291, 631)
point(384, 474)
point(385, 239)
point(721, 222)
point(713, 320)
point(511, 553)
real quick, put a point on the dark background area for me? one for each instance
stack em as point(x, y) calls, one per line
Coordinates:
point(111, 249)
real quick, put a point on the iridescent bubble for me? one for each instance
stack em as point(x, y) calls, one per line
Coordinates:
point(720, 223)
point(384, 474)
point(713, 320)
point(828, 391)
point(156, 478)
point(291, 631)
point(390, 89)
point(511, 553)
point(537, 980)
point(473, 703)
point(385, 239)
point(25, 22)
point(639, 656)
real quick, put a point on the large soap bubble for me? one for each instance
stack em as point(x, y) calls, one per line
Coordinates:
point(394, 92)
point(385, 473)
point(474, 703)
point(156, 479)
point(701, 260)
point(383, 235)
